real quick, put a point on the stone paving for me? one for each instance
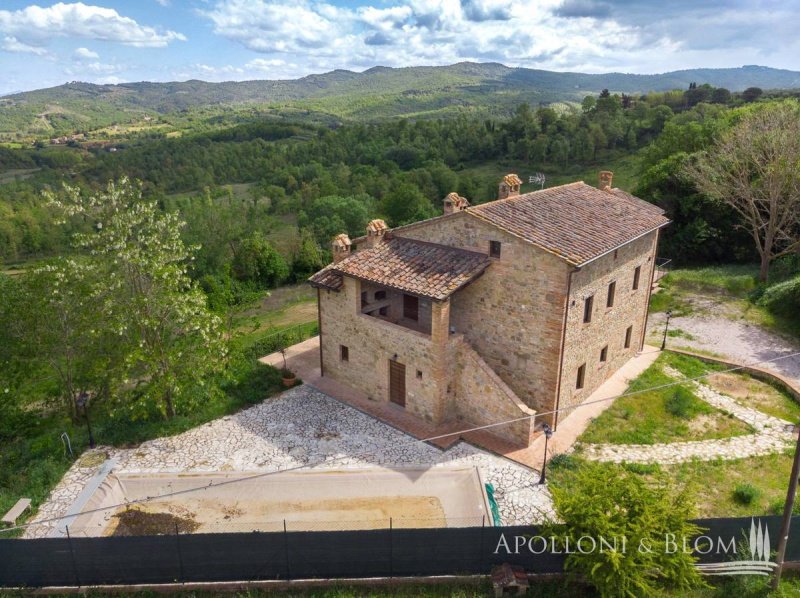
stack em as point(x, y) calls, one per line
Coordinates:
point(770, 436)
point(304, 427)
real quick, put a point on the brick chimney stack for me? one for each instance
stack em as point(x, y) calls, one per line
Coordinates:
point(606, 176)
point(340, 247)
point(376, 229)
point(509, 186)
point(455, 203)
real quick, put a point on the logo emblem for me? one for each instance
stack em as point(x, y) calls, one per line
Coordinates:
point(759, 549)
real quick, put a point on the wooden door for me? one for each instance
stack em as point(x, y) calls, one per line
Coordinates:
point(411, 307)
point(397, 383)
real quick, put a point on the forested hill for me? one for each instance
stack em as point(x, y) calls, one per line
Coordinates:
point(377, 93)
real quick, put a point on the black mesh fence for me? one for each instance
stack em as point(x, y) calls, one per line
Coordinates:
point(387, 552)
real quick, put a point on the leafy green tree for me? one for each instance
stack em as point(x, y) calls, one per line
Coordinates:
point(308, 259)
point(173, 342)
point(607, 502)
point(751, 94)
point(256, 260)
point(67, 330)
point(406, 204)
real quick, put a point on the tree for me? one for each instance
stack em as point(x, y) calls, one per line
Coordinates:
point(755, 169)
point(607, 502)
point(172, 341)
point(308, 258)
point(256, 260)
point(66, 328)
point(406, 204)
point(751, 94)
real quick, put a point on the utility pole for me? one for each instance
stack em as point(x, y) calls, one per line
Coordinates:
point(783, 537)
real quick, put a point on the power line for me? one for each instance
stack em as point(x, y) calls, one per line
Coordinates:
point(415, 440)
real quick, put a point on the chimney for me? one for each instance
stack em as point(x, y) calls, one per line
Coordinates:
point(340, 247)
point(606, 177)
point(455, 203)
point(376, 229)
point(509, 186)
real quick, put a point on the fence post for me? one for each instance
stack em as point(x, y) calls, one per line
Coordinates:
point(72, 555)
point(286, 550)
point(180, 555)
point(484, 558)
point(481, 557)
point(391, 550)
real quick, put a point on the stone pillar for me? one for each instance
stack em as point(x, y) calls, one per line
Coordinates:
point(440, 338)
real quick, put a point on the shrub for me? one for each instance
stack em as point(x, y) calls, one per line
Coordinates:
point(746, 494)
point(683, 404)
point(642, 468)
point(776, 507)
point(783, 297)
point(563, 461)
point(602, 501)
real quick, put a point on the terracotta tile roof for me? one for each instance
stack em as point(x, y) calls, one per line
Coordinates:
point(416, 267)
point(327, 278)
point(576, 222)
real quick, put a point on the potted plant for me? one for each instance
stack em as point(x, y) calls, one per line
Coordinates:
point(287, 376)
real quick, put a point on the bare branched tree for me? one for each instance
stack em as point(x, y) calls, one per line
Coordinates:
point(755, 169)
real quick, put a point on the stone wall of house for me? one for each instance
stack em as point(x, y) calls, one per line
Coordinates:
point(513, 314)
point(372, 342)
point(584, 342)
point(482, 398)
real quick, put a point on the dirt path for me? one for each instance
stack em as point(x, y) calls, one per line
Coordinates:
point(739, 340)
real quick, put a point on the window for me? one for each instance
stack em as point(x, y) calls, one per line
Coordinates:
point(604, 354)
point(344, 353)
point(419, 374)
point(628, 335)
point(588, 303)
point(636, 274)
point(383, 311)
point(380, 295)
point(494, 248)
point(612, 290)
point(581, 376)
point(616, 253)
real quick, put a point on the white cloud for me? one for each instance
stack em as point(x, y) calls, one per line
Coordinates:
point(35, 25)
point(584, 35)
point(164, 2)
point(84, 53)
point(12, 44)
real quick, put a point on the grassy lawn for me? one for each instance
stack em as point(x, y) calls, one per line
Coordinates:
point(750, 392)
point(723, 488)
point(671, 414)
point(284, 308)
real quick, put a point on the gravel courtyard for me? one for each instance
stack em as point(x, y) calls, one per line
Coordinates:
point(303, 427)
point(734, 338)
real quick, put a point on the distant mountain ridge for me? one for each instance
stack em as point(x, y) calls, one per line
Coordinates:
point(378, 92)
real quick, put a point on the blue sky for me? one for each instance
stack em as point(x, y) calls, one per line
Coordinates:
point(111, 41)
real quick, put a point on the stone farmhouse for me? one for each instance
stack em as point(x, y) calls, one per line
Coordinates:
point(512, 308)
